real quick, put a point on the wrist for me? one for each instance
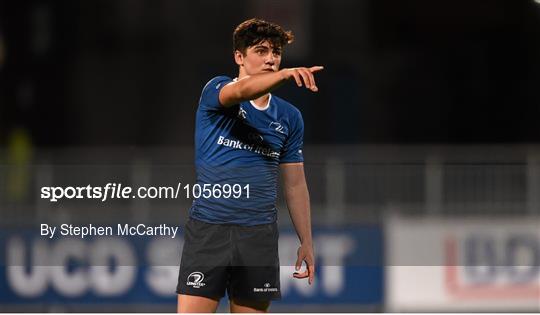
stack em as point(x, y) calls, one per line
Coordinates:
point(283, 73)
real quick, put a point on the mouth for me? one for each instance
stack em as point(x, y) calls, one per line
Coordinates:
point(268, 70)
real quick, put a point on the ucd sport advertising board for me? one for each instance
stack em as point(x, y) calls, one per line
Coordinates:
point(118, 270)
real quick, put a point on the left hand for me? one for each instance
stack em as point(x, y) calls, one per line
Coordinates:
point(305, 253)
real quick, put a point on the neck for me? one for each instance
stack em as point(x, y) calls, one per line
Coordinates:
point(259, 102)
point(241, 73)
point(262, 101)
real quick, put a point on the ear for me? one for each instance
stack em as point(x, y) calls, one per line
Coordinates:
point(238, 58)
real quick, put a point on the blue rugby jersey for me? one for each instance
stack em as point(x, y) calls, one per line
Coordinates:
point(242, 145)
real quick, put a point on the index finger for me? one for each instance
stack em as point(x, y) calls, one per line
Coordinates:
point(315, 69)
point(311, 270)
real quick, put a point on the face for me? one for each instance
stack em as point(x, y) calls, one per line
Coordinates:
point(259, 58)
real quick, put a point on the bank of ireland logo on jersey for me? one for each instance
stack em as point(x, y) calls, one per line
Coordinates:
point(195, 279)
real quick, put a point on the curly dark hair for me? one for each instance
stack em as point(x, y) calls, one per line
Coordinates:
point(254, 31)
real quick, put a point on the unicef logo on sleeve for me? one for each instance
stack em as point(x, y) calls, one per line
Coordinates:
point(195, 279)
point(242, 114)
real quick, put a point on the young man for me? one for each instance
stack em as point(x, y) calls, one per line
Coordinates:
point(244, 135)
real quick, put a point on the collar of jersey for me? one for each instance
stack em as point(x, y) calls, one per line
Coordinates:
point(253, 103)
point(263, 108)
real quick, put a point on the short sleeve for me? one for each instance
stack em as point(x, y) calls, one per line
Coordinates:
point(292, 151)
point(210, 94)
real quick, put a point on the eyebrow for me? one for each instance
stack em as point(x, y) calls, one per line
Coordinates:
point(267, 48)
point(271, 47)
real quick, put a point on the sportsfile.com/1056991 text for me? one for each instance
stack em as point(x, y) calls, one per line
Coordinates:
point(119, 191)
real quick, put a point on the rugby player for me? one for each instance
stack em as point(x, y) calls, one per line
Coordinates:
point(244, 137)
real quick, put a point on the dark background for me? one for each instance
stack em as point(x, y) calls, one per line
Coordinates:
point(427, 111)
point(129, 72)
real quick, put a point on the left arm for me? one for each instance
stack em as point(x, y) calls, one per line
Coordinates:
point(297, 198)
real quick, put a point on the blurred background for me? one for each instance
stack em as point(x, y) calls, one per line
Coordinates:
point(422, 148)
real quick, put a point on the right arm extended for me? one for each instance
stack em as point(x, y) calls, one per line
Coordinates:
point(254, 86)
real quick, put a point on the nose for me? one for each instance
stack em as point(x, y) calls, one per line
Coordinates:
point(270, 60)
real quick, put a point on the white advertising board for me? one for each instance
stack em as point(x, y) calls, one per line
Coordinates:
point(440, 265)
